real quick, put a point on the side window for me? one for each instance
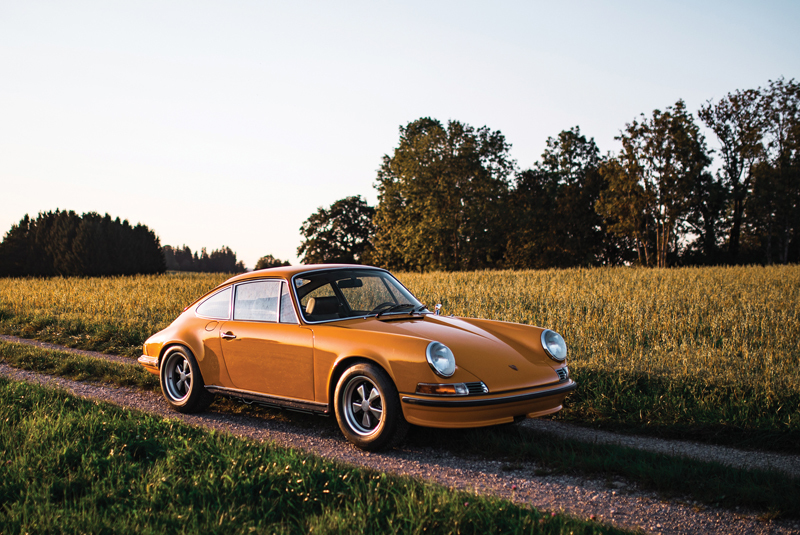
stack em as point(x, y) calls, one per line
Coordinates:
point(257, 301)
point(218, 306)
point(287, 310)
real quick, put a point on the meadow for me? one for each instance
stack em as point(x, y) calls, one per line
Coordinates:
point(709, 353)
point(76, 466)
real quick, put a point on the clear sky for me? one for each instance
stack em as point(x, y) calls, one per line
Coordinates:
point(229, 123)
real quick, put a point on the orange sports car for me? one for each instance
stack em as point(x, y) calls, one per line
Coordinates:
point(354, 342)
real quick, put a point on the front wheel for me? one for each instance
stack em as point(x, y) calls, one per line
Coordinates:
point(368, 408)
point(181, 381)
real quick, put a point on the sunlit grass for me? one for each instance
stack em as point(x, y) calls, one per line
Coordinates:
point(710, 353)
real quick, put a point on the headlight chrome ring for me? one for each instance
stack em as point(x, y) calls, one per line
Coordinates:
point(554, 345)
point(441, 359)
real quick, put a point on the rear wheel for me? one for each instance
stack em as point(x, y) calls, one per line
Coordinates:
point(181, 381)
point(368, 408)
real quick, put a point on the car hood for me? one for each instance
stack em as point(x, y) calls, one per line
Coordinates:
point(505, 356)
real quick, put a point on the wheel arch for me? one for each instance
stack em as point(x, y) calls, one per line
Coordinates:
point(339, 369)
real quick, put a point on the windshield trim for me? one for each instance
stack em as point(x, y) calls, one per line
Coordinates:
point(359, 316)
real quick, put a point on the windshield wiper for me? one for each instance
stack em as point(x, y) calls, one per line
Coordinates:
point(395, 308)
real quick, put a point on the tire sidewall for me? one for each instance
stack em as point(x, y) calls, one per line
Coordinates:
point(386, 431)
point(194, 401)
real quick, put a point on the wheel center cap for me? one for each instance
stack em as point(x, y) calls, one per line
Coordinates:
point(365, 405)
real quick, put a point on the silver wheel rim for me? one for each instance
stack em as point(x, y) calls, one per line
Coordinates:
point(363, 405)
point(177, 376)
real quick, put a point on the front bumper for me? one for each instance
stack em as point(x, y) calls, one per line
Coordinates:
point(484, 410)
point(150, 363)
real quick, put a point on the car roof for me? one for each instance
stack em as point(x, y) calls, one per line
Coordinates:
point(287, 272)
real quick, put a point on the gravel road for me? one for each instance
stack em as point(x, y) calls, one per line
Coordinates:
point(615, 502)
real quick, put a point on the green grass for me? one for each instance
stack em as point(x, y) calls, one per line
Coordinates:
point(772, 493)
point(77, 367)
point(73, 466)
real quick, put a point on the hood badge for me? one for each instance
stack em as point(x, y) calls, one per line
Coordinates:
point(513, 367)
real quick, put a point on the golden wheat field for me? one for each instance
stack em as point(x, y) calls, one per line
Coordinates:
point(721, 325)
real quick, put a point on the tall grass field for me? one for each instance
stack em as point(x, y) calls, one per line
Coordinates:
point(709, 353)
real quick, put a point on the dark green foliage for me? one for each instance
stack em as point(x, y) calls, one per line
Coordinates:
point(553, 222)
point(665, 156)
point(67, 244)
point(269, 261)
point(340, 234)
point(221, 260)
point(74, 466)
point(443, 196)
point(759, 134)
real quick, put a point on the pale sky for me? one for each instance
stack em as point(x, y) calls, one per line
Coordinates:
point(229, 123)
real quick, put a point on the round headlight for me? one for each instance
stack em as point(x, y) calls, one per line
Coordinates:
point(441, 359)
point(554, 345)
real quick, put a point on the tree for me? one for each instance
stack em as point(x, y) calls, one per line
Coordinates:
point(666, 156)
point(339, 234)
point(441, 198)
point(269, 261)
point(773, 215)
point(623, 204)
point(738, 122)
point(554, 220)
point(221, 260)
point(67, 244)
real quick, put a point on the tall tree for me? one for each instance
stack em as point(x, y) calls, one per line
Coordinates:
point(624, 206)
point(341, 233)
point(666, 156)
point(554, 220)
point(441, 198)
point(774, 213)
point(738, 122)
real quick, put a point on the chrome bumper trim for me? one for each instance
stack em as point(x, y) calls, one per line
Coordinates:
point(150, 362)
point(490, 401)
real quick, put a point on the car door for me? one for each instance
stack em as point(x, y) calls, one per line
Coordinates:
point(265, 349)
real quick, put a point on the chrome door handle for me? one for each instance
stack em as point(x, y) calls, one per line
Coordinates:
point(228, 335)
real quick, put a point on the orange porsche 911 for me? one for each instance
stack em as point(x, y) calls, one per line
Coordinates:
point(354, 342)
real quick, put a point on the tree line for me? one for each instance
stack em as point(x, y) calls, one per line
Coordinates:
point(221, 260)
point(67, 244)
point(451, 198)
point(64, 243)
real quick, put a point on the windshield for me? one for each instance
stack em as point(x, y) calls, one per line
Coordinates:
point(348, 293)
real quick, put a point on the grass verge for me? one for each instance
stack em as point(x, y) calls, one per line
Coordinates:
point(772, 493)
point(75, 466)
point(77, 367)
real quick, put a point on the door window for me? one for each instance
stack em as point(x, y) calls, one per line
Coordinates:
point(257, 301)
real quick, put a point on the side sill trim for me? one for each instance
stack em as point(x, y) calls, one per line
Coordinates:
point(491, 401)
point(150, 362)
point(270, 401)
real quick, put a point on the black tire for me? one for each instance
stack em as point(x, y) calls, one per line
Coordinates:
point(368, 408)
point(182, 382)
